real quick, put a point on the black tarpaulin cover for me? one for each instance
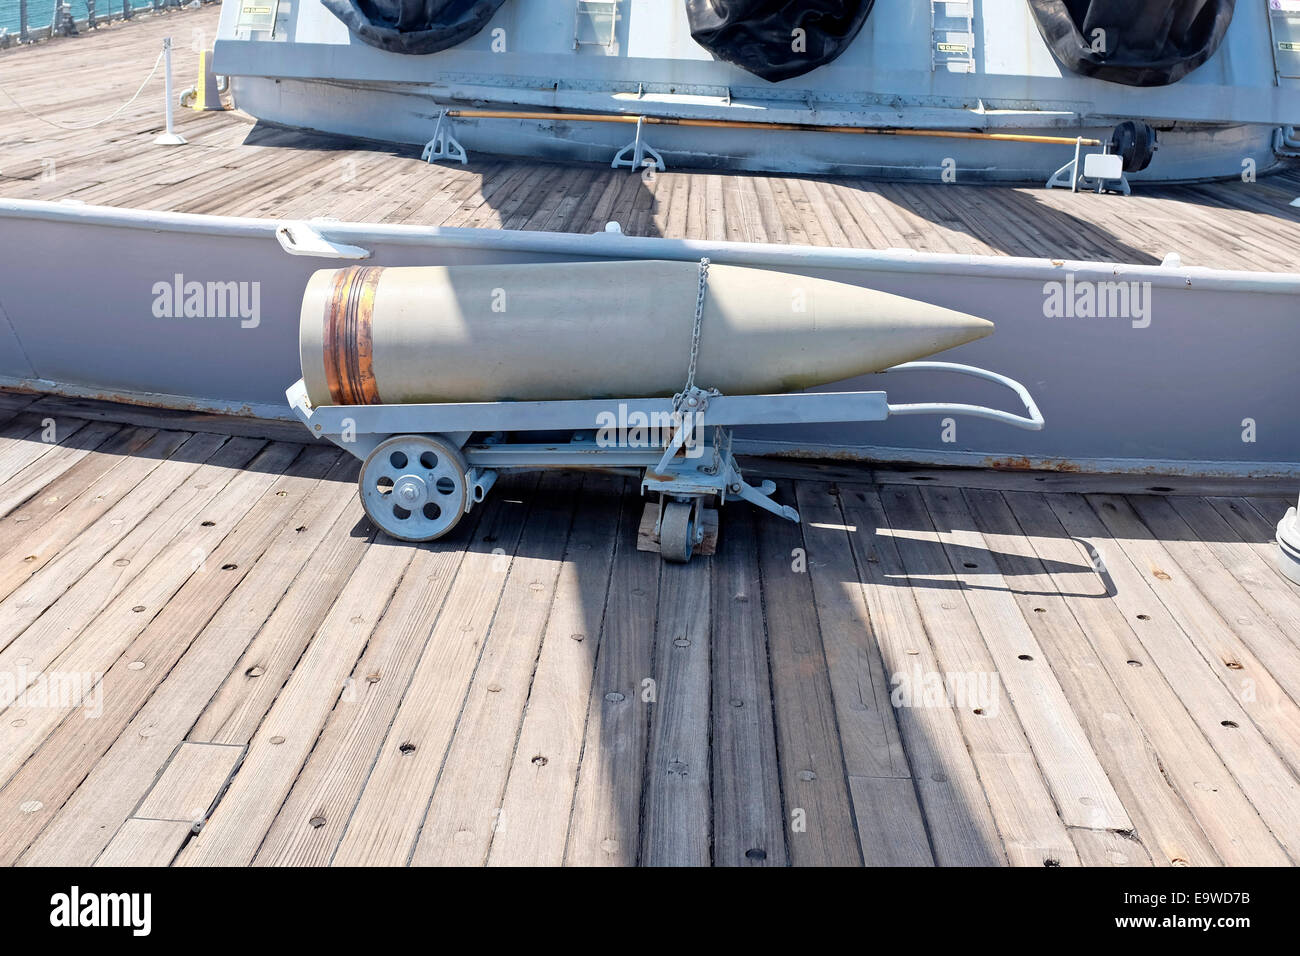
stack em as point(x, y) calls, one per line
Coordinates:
point(759, 35)
point(1142, 42)
point(413, 26)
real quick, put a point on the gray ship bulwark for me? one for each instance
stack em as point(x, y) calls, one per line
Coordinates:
point(1236, 108)
point(1192, 375)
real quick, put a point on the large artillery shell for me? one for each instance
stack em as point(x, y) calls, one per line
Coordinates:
point(373, 335)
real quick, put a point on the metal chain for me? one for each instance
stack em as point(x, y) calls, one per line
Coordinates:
point(681, 397)
point(699, 321)
point(721, 437)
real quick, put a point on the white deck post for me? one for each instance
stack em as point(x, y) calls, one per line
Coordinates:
point(171, 137)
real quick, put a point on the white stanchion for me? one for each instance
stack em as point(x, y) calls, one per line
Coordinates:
point(171, 137)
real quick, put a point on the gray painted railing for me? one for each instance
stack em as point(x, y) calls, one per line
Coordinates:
point(65, 22)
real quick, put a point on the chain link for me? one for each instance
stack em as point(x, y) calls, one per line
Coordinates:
point(699, 321)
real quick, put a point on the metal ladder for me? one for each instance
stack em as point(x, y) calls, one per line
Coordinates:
point(596, 24)
point(952, 35)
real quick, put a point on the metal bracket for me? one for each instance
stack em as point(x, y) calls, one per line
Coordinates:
point(1032, 420)
point(688, 418)
point(639, 150)
point(1071, 175)
point(715, 473)
point(761, 497)
point(1286, 142)
point(1288, 545)
point(444, 145)
point(580, 415)
point(304, 239)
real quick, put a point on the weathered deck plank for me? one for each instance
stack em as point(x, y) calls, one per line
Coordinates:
point(21, 484)
point(291, 586)
point(817, 803)
point(129, 667)
point(677, 815)
point(465, 807)
point(1032, 830)
point(39, 528)
point(1235, 661)
point(268, 666)
point(391, 806)
point(1219, 706)
point(605, 826)
point(880, 778)
point(1058, 596)
point(190, 783)
point(103, 561)
point(287, 734)
point(145, 843)
point(1083, 792)
point(748, 823)
point(544, 773)
point(961, 826)
point(310, 824)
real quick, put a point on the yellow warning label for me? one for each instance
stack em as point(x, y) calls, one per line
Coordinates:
point(1289, 46)
point(257, 16)
point(951, 47)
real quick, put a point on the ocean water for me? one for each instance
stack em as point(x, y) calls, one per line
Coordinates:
point(41, 12)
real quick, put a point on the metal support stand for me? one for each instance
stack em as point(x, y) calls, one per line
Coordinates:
point(443, 145)
point(170, 137)
point(1072, 175)
point(634, 154)
point(1288, 545)
point(1070, 169)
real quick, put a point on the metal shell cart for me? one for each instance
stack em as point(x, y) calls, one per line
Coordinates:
point(427, 465)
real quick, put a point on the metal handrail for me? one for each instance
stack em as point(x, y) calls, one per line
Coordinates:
point(112, 10)
point(1032, 420)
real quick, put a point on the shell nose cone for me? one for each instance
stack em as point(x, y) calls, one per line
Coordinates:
point(936, 329)
point(968, 328)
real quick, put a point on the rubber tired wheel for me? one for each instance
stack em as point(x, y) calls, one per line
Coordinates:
point(677, 531)
point(413, 487)
point(1135, 143)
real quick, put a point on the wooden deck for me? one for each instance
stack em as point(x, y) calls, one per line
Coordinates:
point(208, 657)
point(233, 167)
point(220, 663)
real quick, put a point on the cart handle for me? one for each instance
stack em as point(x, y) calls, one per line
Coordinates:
point(1032, 420)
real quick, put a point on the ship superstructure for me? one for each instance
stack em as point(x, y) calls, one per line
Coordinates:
point(1219, 82)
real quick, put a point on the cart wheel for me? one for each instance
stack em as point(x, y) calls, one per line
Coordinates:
point(677, 531)
point(413, 487)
